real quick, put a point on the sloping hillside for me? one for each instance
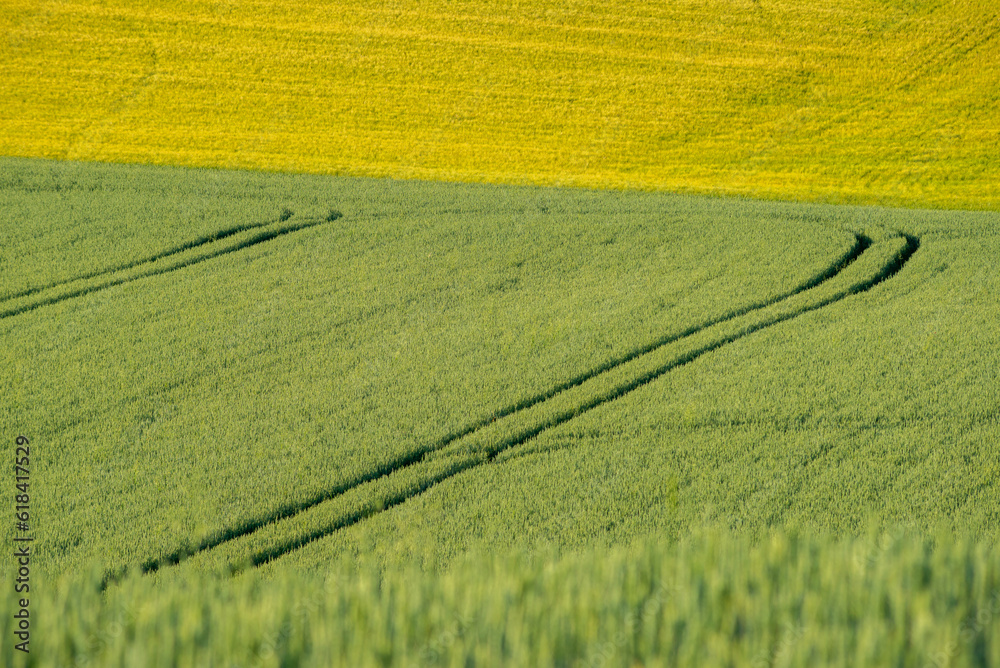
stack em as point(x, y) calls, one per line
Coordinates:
point(862, 101)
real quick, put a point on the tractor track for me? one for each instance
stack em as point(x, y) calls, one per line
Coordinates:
point(215, 245)
point(444, 468)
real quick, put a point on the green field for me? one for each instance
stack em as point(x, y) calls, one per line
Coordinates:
point(553, 333)
point(717, 600)
point(241, 384)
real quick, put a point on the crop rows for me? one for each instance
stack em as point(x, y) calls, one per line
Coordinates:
point(824, 101)
point(514, 426)
point(450, 369)
point(349, 345)
point(401, 387)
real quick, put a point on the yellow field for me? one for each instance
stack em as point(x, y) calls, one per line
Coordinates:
point(863, 101)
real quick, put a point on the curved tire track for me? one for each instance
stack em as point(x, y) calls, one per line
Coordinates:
point(444, 464)
point(411, 489)
point(173, 259)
